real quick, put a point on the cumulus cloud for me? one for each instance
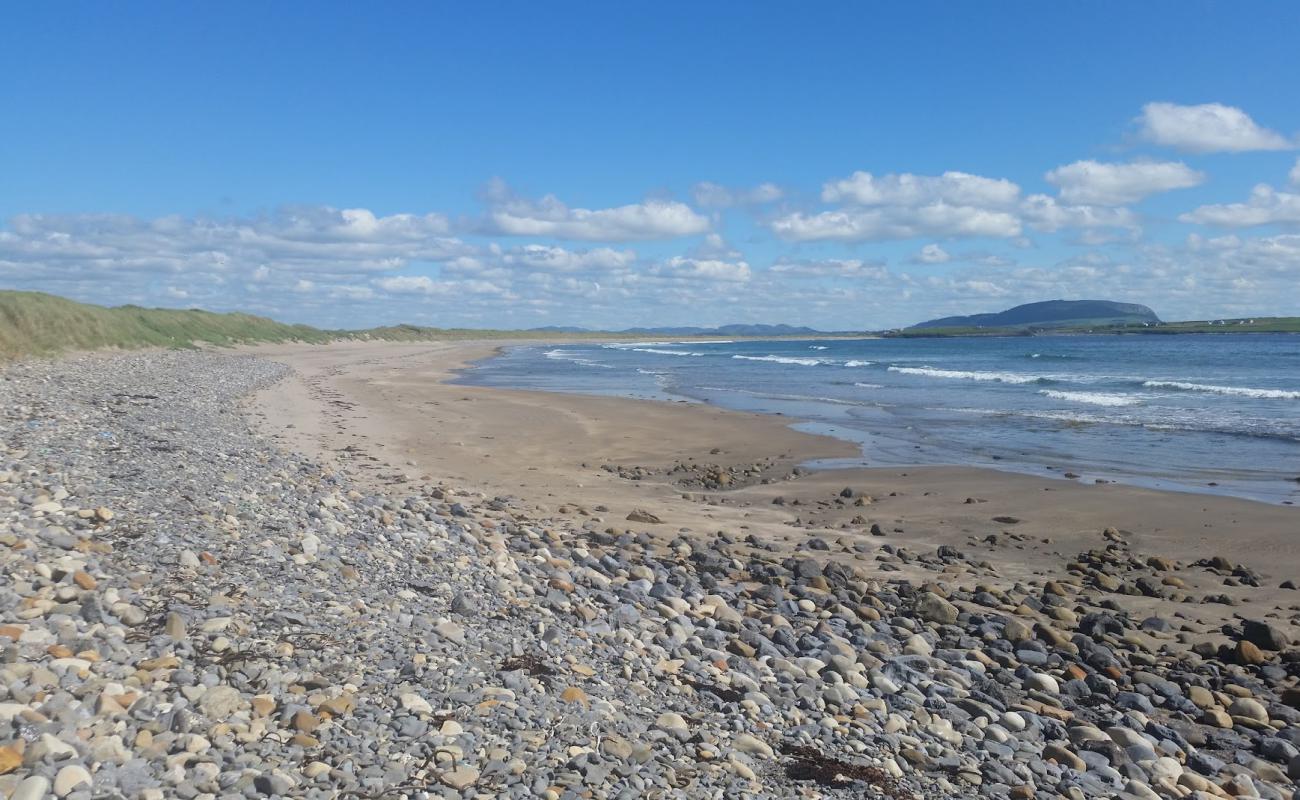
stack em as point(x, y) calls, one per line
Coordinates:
point(425, 285)
point(906, 189)
point(829, 268)
point(1207, 128)
point(703, 269)
point(1044, 213)
point(713, 195)
point(1096, 183)
point(906, 206)
point(932, 254)
point(558, 259)
point(954, 204)
point(1266, 206)
point(510, 215)
point(867, 224)
point(303, 240)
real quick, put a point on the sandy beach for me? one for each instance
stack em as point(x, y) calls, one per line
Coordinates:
point(387, 412)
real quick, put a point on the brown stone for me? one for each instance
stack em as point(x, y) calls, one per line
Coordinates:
point(84, 580)
point(1247, 653)
point(305, 722)
point(161, 662)
point(263, 704)
point(11, 758)
point(337, 706)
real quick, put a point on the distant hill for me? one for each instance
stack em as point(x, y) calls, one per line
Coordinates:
point(1052, 314)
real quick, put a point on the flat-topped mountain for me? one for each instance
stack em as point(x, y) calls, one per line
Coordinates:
point(1052, 314)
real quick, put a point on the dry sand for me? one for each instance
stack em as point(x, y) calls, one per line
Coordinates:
point(386, 411)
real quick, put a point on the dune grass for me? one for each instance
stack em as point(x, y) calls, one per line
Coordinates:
point(39, 324)
point(34, 323)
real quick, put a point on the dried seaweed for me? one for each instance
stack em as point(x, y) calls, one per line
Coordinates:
point(808, 764)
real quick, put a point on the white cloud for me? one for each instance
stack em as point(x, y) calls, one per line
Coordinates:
point(906, 189)
point(829, 268)
point(704, 269)
point(303, 240)
point(1045, 214)
point(558, 259)
point(549, 217)
point(954, 204)
point(425, 285)
point(407, 284)
point(932, 254)
point(713, 195)
point(866, 224)
point(1207, 128)
point(1266, 206)
point(1294, 176)
point(1096, 183)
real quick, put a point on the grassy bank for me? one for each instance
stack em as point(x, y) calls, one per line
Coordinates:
point(39, 324)
point(34, 323)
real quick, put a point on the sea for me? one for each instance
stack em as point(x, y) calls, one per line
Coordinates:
point(1216, 414)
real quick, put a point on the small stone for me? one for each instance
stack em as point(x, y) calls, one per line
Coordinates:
point(1247, 654)
point(933, 608)
point(672, 723)
point(1248, 708)
point(643, 516)
point(175, 626)
point(460, 779)
point(220, 702)
point(304, 722)
point(753, 746)
point(35, 787)
point(11, 758)
point(69, 778)
point(415, 704)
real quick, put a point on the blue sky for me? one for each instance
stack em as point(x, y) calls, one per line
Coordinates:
point(845, 165)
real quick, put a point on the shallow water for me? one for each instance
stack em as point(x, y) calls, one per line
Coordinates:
point(1215, 414)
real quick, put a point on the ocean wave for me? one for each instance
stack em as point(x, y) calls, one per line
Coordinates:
point(634, 345)
point(1052, 357)
point(658, 351)
point(852, 363)
point(805, 362)
point(802, 398)
point(868, 386)
point(565, 355)
point(1093, 398)
point(1000, 377)
point(1236, 391)
point(816, 347)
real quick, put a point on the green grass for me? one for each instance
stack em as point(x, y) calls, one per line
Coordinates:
point(33, 323)
point(39, 324)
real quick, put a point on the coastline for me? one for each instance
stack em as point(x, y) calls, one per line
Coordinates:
point(564, 454)
point(351, 625)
